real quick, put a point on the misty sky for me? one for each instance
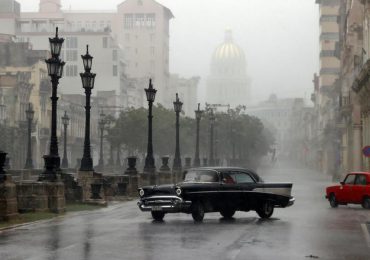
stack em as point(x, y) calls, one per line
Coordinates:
point(279, 37)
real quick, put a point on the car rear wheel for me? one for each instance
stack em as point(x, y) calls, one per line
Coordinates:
point(366, 203)
point(158, 215)
point(266, 210)
point(333, 201)
point(227, 212)
point(197, 211)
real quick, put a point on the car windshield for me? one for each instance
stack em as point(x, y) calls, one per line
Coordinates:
point(201, 176)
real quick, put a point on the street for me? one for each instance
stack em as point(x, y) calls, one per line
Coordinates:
point(310, 229)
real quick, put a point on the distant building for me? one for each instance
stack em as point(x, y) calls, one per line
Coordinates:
point(228, 82)
point(139, 28)
point(277, 115)
point(187, 90)
point(23, 80)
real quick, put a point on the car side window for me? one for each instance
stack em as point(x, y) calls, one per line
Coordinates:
point(228, 178)
point(360, 180)
point(242, 177)
point(350, 179)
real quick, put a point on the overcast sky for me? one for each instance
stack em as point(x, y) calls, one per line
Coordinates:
point(279, 37)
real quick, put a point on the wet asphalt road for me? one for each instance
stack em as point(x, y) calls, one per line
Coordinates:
point(309, 229)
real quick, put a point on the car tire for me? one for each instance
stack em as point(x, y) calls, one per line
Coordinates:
point(333, 201)
point(227, 212)
point(366, 203)
point(197, 211)
point(266, 210)
point(158, 215)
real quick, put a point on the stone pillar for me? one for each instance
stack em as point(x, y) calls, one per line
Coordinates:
point(187, 162)
point(8, 193)
point(205, 162)
point(164, 175)
point(131, 170)
point(357, 156)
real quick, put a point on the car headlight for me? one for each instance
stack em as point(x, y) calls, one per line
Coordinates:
point(141, 192)
point(178, 191)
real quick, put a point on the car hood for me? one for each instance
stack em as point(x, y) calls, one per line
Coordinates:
point(167, 189)
point(333, 187)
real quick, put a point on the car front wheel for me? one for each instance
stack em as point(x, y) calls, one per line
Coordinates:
point(266, 210)
point(366, 203)
point(197, 211)
point(333, 201)
point(227, 212)
point(158, 215)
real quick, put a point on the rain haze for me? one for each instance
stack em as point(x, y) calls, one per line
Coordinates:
point(184, 129)
point(279, 38)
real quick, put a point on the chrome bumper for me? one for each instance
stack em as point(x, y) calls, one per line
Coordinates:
point(291, 202)
point(163, 203)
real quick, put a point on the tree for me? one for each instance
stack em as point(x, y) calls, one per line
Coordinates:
point(247, 133)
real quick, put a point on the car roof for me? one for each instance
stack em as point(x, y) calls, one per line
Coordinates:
point(229, 168)
point(366, 173)
point(222, 168)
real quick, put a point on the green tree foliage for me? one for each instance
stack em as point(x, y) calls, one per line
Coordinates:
point(242, 133)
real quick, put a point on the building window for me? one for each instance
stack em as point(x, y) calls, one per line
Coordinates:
point(139, 20)
point(71, 70)
point(152, 51)
point(328, 18)
point(71, 42)
point(71, 55)
point(105, 42)
point(150, 20)
point(128, 21)
point(115, 71)
point(114, 55)
point(329, 36)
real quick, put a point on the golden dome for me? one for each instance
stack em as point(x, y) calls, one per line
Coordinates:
point(228, 51)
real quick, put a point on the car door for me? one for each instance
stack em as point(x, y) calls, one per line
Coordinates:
point(245, 183)
point(228, 188)
point(359, 188)
point(345, 191)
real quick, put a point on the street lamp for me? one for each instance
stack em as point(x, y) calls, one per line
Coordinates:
point(65, 121)
point(29, 115)
point(88, 80)
point(211, 122)
point(177, 160)
point(55, 70)
point(149, 160)
point(102, 122)
point(198, 117)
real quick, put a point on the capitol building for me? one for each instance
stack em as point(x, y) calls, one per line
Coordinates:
point(228, 82)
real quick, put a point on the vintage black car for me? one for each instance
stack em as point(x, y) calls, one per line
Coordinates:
point(216, 189)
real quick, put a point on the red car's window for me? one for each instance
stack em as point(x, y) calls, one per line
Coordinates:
point(350, 179)
point(360, 180)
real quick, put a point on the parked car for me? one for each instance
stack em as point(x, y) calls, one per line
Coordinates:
point(354, 189)
point(219, 189)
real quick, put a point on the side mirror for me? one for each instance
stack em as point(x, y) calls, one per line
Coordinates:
point(342, 182)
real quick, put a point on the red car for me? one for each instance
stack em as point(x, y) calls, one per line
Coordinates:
point(355, 189)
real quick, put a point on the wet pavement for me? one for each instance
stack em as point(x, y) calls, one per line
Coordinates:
point(309, 229)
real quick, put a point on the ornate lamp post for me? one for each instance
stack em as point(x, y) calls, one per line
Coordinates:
point(177, 160)
point(29, 115)
point(102, 123)
point(65, 121)
point(88, 80)
point(211, 153)
point(198, 117)
point(55, 70)
point(149, 160)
